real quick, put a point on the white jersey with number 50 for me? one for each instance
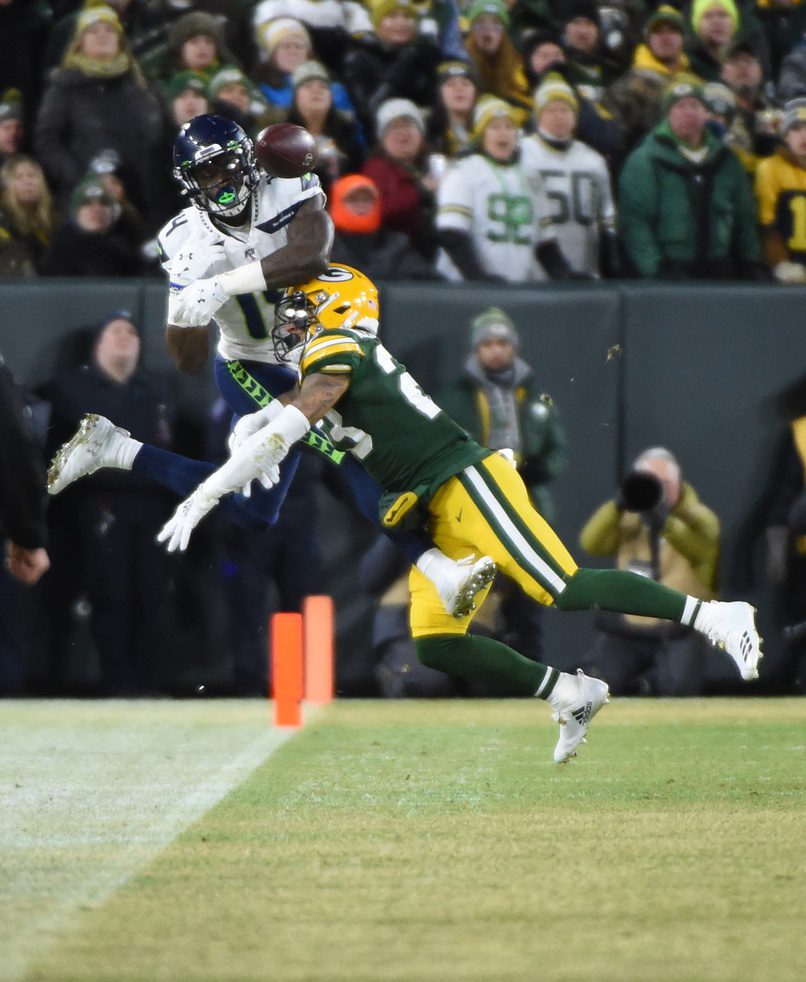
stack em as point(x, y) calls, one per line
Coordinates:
point(577, 184)
point(193, 248)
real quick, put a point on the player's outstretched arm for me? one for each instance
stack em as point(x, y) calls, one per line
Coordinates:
point(307, 251)
point(305, 255)
point(259, 456)
point(319, 393)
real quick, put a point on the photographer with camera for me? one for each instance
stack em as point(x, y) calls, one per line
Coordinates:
point(658, 527)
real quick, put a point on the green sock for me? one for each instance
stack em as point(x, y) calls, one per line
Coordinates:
point(627, 593)
point(486, 661)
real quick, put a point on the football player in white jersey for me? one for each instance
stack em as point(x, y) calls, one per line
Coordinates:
point(576, 181)
point(245, 236)
point(493, 217)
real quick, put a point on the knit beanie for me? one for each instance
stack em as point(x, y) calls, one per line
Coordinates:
point(456, 69)
point(272, 32)
point(229, 75)
point(394, 109)
point(97, 15)
point(682, 87)
point(194, 24)
point(11, 105)
point(116, 315)
point(488, 108)
point(308, 71)
point(90, 189)
point(481, 7)
point(382, 8)
point(699, 7)
point(794, 114)
point(665, 14)
point(553, 87)
point(344, 218)
point(493, 323)
point(181, 82)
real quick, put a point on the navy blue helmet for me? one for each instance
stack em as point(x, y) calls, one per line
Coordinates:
point(214, 161)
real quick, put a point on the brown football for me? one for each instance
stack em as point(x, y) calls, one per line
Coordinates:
point(285, 150)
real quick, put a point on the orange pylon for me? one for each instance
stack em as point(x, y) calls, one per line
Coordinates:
point(286, 652)
point(317, 615)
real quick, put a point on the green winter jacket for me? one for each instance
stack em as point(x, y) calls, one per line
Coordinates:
point(542, 452)
point(684, 219)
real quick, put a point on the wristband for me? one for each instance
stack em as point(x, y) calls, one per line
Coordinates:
point(243, 279)
point(269, 413)
point(291, 425)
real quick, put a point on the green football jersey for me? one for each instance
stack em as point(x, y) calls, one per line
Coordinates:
point(401, 436)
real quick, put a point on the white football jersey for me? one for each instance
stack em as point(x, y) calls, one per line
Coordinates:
point(193, 248)
point(503, 209)
point(577, 185)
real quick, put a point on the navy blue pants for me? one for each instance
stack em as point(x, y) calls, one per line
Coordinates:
point(247, 386)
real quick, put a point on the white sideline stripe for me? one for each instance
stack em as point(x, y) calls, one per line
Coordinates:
point(546, 573)
point(130, 788)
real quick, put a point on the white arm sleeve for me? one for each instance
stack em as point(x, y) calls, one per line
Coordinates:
point(262, 451)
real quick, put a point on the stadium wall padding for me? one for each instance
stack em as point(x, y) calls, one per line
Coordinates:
point(694, 368)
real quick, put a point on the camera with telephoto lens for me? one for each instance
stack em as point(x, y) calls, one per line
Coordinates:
point(642, 492)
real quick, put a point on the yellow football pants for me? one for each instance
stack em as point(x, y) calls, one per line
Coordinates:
point(486, 510)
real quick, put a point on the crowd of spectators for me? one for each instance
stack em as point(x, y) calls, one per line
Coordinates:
point(478, 140)
point(511, 141)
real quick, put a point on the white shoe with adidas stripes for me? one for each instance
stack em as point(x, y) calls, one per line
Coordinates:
point(97, 443)
point(574, 714)
point(732, 627)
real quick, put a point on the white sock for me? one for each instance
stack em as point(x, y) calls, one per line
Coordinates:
point(691, 610)
point(125, 452)
point(564, 691)
point(434, 563)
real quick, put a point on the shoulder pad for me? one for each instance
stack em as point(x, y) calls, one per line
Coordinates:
point(330, 351)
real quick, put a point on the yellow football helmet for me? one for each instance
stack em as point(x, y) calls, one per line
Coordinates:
point(340, 297)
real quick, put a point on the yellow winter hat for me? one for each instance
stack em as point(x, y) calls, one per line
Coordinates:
point(94, 15)
point(382, 8)
point(488, 108)
point(699, 7)
point(271, 32)
point(553, 87)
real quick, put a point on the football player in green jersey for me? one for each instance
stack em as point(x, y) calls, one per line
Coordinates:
point(470, 499)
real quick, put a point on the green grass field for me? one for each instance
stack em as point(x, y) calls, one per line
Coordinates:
point(403, 841)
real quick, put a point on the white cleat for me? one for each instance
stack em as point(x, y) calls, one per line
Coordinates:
point(576, 714)
point(468, 577)
point(732, 627)
point(94, 445)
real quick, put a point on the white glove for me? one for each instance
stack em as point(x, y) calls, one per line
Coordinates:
point(194, 259)
point(266, 480)
point(261, 454)
point(186, 517)
point(197, 303)
point(251, 423)
point(790, 273)
point(176, 309)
